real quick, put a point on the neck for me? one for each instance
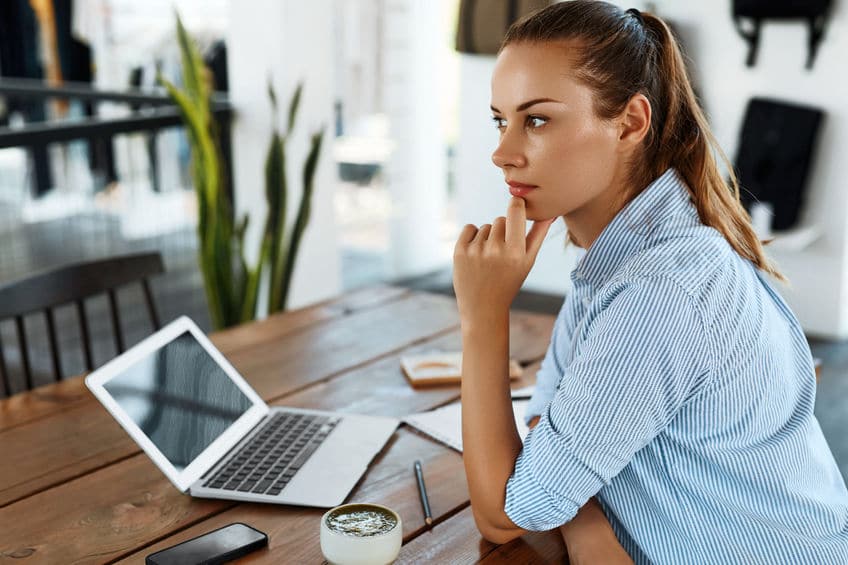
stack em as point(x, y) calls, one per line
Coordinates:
point(587, 222)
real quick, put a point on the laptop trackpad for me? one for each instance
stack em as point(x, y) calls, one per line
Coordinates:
point(333, 470)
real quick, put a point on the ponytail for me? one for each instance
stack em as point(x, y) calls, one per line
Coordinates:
point(625, 53)
point(686, 143)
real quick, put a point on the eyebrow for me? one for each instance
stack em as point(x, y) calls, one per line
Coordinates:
point(525, 105)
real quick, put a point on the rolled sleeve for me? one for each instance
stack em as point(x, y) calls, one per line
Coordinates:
point(529, 503)
point(641, 357)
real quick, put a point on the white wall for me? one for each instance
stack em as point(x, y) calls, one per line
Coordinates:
point(290, 41)
point(358, 36)
point(415, 174)
point(819, 274)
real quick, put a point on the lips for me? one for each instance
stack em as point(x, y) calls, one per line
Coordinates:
point(519, 188)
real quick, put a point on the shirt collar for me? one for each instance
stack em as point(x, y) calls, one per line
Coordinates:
point(664, 203)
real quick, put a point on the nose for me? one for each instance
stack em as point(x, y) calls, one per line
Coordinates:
point(509, 152)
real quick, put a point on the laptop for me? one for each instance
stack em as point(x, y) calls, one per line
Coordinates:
point(213, 437)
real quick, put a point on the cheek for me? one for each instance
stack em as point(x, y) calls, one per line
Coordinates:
point(590, 144)
point(581, 157)
point(573, 168)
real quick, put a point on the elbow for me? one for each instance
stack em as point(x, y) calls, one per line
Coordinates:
point(495, 533)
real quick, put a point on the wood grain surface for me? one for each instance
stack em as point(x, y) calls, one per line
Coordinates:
point(79, 490)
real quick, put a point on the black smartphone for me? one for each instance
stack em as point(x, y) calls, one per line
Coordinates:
point(218, 546)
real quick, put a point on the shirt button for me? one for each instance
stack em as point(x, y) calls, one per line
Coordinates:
point(587, 301)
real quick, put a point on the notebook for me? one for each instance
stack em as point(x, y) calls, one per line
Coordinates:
point(441, 368)
point(445, 424)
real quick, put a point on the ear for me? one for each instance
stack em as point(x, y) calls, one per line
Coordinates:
point(634, 121)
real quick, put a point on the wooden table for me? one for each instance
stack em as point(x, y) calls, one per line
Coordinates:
point(74, 488)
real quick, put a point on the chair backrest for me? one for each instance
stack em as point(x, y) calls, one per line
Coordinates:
point(73, 284)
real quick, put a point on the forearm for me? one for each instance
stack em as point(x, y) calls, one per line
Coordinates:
point(490, 264)
point(589, 538)
point(490, 440)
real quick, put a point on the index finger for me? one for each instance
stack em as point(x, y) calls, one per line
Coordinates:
point(516, 221)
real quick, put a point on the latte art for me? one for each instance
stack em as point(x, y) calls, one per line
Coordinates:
point(361, 521)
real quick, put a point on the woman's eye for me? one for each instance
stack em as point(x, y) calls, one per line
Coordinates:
point(536, 121)
point(531, 122)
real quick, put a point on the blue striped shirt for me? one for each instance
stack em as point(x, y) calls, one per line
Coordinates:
point(678, 388)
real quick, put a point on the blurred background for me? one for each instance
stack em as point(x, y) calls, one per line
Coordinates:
point(406, 155)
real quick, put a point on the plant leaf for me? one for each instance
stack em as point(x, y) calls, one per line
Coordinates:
point(293, 106)
point(273, 96)
point(303, 213)
point(276, 189)
point(193, 68)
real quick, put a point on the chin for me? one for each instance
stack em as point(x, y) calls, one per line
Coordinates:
point(539, 216)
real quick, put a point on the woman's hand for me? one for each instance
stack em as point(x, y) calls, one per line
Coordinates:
point(491, 263)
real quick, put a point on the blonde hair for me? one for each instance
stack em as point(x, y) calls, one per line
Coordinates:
point(621, 54)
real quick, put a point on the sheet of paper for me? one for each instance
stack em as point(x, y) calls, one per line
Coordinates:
point(523, 392)
point(445, 424)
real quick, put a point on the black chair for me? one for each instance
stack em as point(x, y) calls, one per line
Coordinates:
point(73, 284)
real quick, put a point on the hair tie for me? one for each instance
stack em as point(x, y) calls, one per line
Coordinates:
point(636, 14)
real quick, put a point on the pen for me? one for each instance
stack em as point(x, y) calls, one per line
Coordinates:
point(422, 490)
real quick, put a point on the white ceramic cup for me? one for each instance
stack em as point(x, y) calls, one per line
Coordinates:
point(350, 549)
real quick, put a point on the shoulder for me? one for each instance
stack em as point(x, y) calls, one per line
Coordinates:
point(671, 284)
point(646, 295)
point(691, 261)
point(694, 283)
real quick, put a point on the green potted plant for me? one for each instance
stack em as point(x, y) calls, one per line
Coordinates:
point(231, 285)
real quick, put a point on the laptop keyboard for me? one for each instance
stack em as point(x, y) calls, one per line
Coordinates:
point(270, 459)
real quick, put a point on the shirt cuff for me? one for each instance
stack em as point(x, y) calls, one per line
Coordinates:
point(531, 506)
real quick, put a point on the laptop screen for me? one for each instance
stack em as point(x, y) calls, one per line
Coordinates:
point(180, 398)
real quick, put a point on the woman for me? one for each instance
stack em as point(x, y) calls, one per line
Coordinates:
point(673, 412)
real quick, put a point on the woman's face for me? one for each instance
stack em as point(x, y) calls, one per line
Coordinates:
point(550, 137)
